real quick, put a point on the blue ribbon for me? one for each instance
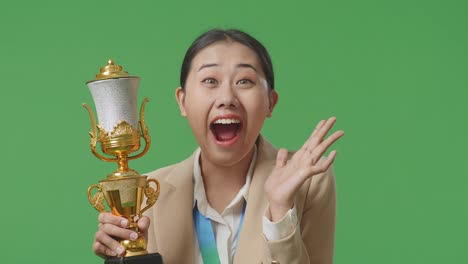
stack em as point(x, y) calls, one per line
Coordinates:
point(206, 238)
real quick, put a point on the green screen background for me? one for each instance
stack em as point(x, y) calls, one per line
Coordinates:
point(394, 73)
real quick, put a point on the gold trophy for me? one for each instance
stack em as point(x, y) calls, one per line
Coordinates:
point(115, 94)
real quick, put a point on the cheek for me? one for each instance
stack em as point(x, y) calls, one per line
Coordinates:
point(257, 102)
point(197, 106)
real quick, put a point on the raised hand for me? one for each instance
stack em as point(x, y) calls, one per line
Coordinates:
point(289, 175)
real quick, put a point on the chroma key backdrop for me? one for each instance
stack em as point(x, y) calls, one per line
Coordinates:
point(394, 73)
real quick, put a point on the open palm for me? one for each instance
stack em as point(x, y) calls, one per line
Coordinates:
point(289, 175)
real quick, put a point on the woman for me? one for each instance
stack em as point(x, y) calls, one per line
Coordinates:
point(261, 204)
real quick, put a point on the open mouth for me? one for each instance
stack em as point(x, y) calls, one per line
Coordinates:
point(226, 129)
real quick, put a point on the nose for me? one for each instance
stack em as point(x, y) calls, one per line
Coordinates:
point(226, 97)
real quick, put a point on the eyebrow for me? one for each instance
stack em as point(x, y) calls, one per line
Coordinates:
point(246, 65)
point(240, 65)
point(207, 65)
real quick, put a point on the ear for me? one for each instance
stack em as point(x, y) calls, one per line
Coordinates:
point(180, 97)
point(273, 101)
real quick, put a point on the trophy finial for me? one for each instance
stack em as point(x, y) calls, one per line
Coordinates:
point(111, 70)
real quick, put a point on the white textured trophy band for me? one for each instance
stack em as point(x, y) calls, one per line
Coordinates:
point(115, 100)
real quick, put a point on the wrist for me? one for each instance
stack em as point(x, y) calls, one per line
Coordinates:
point(278, 211)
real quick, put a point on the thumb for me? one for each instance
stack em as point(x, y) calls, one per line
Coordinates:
point(281, 158)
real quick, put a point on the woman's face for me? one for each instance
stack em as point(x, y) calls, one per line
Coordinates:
point(226, 101)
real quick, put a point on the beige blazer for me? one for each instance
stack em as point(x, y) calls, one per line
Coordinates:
point(171, 231)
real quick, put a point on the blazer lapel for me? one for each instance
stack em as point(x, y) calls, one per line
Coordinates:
point(173, 215)
point(250, 249)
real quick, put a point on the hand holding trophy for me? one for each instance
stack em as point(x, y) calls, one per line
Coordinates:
point(115, 94)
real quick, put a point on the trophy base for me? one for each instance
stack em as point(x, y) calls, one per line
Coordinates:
point(153, 258)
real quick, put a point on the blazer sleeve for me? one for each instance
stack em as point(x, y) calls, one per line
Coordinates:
point(313, 238)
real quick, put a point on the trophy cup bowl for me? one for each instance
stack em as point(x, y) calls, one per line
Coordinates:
point(119, 131)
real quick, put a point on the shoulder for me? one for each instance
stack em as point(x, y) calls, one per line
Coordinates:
point(161, 172)
point(320, 189)
point(181, 169)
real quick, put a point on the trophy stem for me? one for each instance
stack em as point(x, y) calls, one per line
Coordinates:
point(123, 170)
point(122, 162)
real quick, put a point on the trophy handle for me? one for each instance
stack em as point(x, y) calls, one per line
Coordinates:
point(96, 200)
point(144, 131)
point(94, 136)
point(151, 194)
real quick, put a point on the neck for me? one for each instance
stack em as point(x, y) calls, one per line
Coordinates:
point(222, 183)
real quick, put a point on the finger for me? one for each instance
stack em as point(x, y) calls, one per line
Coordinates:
point(109, 218)
point(109, 243)
point(311, 137)
point(318, 136)
point(318, 152)
point(326, 128)
point(118, 232)
point(102, 251)
point(281, 158)
point(324, 164)
point(317, 128)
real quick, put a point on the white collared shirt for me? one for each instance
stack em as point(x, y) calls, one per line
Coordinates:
point(226, 225)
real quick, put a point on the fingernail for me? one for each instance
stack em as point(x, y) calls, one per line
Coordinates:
point(124, 223)
point(119, 250)
point(113, 254)
point(133, 236)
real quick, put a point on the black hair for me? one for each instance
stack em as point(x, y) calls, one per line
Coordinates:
point(216, 35)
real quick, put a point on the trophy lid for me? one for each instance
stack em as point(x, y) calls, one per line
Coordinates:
point(111, 71)
point(115, 95)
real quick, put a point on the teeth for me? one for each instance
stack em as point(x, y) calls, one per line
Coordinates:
point(227, 121)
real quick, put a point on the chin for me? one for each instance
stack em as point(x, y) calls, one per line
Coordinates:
point(226, 156)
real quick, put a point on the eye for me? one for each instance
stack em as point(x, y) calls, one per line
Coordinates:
point(210, 82)
point(245, 81)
